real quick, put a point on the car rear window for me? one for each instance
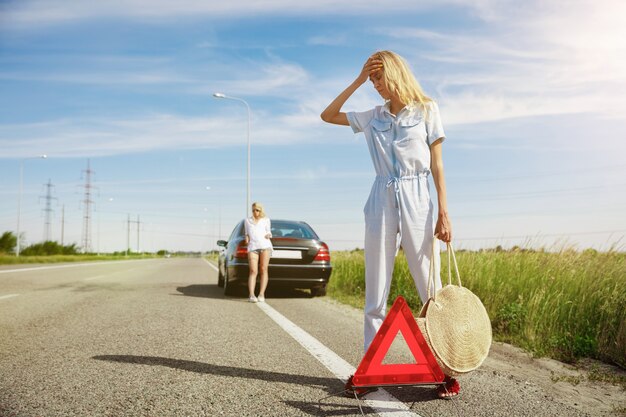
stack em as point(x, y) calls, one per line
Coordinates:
point(292, 229)
point(237, 231)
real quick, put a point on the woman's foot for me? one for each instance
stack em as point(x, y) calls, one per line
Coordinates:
point(252, 299)
point(449, 389)
point(261, 298)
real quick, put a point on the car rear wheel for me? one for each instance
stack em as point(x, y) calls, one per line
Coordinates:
point(220, 279)
point(318, 291)
point(229, 289)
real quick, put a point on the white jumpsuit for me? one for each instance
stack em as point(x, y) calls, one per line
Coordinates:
point(399, 211)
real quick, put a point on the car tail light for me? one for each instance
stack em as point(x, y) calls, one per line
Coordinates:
point(323, 254)
point(242, 250)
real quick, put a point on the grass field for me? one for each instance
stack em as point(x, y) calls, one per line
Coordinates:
point(564, 305)
point(13, 260)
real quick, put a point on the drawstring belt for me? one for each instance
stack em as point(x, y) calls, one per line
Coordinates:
point(395, 182)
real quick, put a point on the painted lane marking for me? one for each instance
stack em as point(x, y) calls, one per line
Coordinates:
point(6, 271)
point(3, 297)
point(111, 274)
point(210, 264)
point(96, 277)
point(381, 401)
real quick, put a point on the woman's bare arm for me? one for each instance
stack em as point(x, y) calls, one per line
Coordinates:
point(443, 228)
point(333, 113)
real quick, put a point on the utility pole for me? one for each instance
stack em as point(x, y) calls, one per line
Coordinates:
point(128, 234)
point(87, 202)
point(138, 222)
point(19, 203)
point(62, 224)
point(48, 211)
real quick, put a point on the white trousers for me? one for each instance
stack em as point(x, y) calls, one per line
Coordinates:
point(381, 247)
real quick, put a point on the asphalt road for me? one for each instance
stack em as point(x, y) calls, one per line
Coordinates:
point(158, 338)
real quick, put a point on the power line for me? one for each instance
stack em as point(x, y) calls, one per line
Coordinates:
point(603, 232)
point(541, 213)
point(494, 178)
point(514, 196)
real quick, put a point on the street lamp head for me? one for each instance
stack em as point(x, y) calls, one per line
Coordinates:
point(219, 95)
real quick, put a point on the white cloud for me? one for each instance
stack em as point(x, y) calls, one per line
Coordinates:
point(528, 60)
point(28, 13)
point(269, 77)
point(549, 60)
point(103, 137)
point(264, 78)
point(330, 40)
point(98, 78)
point(88, 136)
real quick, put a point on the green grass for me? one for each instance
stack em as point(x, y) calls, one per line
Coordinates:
point(564, 305)
point(13, 260)
point(213, 257)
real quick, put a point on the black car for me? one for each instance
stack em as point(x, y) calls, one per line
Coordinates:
point(299, 260)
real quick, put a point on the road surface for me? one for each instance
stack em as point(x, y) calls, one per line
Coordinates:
point(158, 338)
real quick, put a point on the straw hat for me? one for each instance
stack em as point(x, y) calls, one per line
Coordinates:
point(458, 329)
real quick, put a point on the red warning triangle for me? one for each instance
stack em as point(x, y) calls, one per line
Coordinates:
point(372, 371)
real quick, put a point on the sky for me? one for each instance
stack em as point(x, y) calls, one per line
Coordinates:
point(532, 97)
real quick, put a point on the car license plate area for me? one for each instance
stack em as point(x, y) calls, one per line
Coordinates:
point(287, 254)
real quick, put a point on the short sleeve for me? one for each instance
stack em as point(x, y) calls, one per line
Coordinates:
point(246, 224)
point(360, 120)
point(434, 127)
point(268, 226)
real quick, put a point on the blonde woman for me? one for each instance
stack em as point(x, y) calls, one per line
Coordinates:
point(258, 233)
point(404, 136)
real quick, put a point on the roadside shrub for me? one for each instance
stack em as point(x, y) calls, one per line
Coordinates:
point(8, 242)
point(49, 248)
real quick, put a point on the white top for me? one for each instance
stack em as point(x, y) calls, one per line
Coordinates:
point(256, 233)
point(400, 149)
point(399, 144)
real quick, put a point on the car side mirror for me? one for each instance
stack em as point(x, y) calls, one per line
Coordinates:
point(222, 243)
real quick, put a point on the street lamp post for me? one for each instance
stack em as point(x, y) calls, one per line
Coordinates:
point(221, 95)
point(19, 199)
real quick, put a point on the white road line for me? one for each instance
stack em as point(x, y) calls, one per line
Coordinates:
point(381, 401)
point(6, 271)
point(210, 264)
point(2, 297)
point(110, 274)
point(96, 277)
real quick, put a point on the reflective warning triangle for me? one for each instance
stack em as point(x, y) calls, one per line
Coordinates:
point(371, 370)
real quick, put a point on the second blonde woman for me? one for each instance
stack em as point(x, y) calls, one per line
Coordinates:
point(258, 233)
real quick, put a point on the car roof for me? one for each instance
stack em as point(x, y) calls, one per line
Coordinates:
point(284, 221)
point(289, 221)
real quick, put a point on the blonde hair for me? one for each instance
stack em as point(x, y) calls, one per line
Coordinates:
point(260, 207)
point(401, 82)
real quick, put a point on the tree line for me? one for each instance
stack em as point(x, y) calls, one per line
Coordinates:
point(8, 243)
